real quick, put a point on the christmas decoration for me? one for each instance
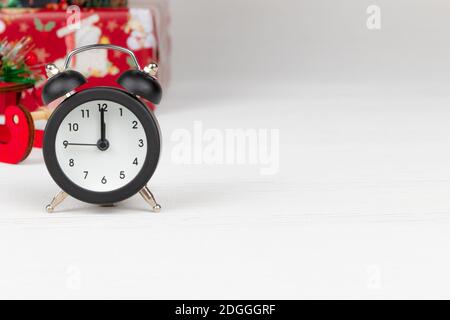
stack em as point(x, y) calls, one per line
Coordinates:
point(13, 62)
point(18, 135)
point(37, 3)
point(99, 3)
point(31, 59)
point(53, 4)
point(142, 30)
point(31, 37)
point(9, 3)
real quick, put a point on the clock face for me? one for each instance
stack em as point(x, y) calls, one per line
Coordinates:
point(101, 145)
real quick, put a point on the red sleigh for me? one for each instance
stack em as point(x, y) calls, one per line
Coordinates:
point(18, 135)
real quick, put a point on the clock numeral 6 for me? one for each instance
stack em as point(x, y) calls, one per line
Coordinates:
point(122, 175)
point(104, 181)
point(73, 127)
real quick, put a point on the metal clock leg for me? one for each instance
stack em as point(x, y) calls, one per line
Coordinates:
point(150, 199)
point(57, 200)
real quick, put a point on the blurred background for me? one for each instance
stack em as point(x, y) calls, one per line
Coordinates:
point(312, 42)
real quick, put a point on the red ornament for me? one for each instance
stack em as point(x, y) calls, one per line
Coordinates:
point(31, 59)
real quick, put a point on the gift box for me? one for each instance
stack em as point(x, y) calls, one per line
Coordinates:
point(142, 28)
point(80, 3)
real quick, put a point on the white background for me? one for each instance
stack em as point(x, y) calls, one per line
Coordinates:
point(359, 209)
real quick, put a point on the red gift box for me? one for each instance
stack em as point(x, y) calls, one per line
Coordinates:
point(138, 29)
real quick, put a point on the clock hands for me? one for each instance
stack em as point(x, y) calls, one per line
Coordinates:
point(67, 143)
point(103, 143)
point(102, 124)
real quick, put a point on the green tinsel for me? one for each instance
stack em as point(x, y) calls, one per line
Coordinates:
point(10, 4)
point(13, 62)
point(16, 75)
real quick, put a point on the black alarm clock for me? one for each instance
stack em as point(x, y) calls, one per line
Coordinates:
point(102, 144)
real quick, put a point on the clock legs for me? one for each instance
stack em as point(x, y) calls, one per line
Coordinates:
point(57, 200)
point(145, 193)
point(150, 199)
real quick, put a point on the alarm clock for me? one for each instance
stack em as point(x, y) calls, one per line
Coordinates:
point(102, 144)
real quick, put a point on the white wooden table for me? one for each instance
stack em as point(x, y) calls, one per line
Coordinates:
point(359, 208)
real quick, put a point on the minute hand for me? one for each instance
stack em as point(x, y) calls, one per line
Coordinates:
point(82, 144)
point(67, 143)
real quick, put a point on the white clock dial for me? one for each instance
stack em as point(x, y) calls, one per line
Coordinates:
point(79, 142)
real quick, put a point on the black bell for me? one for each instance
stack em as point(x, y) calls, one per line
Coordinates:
point(61, 84)
point(141, 84)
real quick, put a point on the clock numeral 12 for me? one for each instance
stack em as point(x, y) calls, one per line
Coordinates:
point(103, 106)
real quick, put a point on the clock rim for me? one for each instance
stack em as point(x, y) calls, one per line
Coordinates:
point(144, 115)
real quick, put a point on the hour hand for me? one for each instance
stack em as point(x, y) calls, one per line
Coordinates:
point(102, 124)
point(103, 143)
